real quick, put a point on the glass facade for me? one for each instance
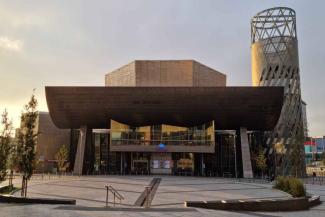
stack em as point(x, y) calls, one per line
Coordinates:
point(222, 162)
point(101, 162)
point(225, 161)
point(122, 134)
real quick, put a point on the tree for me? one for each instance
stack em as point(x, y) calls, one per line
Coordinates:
point(62, 156)
point(297, 155)
point(5, 142)
point(13, 161)
point(26, 141)
point(261, 162)
point(280, 150)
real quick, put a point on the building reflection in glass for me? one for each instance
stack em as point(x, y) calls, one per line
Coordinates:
point(122, 134)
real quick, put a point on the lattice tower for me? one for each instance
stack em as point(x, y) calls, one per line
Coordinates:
point(275, 62)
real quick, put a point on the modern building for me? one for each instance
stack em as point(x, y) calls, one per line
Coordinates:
point(314, 149)
point(49, 140)
point(275, 62)
point(320, 144)
point(166, 117)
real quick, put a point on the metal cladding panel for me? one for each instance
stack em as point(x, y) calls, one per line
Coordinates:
point(165, 73)
point(257, 108)
point(275, 62)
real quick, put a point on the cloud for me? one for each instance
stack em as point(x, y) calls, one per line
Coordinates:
point(10, 45)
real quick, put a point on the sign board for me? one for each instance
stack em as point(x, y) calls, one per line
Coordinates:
point(155, 164)
point(167, 164)
point(185, 163)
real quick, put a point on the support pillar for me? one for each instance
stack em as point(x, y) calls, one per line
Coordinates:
point(80, 153)
point(246, 154)
point(122, 164)
point(202, 165)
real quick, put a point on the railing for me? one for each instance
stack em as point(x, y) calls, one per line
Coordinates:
point(255, 180)
point(148, 196)
point(314, 180)
point(202, 142)
point(115, 193)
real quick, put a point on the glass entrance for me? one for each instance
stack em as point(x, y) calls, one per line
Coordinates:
point(140, 163)
point(140, 166)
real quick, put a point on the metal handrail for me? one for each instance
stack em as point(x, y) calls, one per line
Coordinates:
point(114, 190)
point(115, 194)
point(148, 196)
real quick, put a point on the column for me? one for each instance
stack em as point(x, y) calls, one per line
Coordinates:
point(202, 165)
point(245, 153)
point(80, 153)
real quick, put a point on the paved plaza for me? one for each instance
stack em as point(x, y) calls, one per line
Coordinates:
point(90, 194)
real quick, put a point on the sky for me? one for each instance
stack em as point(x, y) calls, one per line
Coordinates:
point(75, 43)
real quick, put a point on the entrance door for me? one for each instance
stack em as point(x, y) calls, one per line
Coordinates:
point(140, 166)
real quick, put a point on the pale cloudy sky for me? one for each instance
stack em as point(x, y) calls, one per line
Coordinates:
point(76, 42)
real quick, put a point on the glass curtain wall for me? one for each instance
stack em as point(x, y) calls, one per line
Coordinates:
point(101, 152)
point(122, 134)
point(222, 162)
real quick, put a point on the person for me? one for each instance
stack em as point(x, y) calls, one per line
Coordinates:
point(272, 178)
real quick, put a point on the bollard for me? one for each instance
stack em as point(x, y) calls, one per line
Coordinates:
point(147, 205)
point(114, 199)
point(106, 196)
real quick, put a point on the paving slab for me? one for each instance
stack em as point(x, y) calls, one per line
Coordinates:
point(89, 191)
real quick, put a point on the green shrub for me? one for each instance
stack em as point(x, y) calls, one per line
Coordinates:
point(282, 183)
point(290, 185)
point(297, 188)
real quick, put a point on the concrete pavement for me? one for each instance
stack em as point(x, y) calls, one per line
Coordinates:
point(89, 191)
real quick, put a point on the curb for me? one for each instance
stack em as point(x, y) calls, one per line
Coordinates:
point(273, 205)
point(12, 199)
